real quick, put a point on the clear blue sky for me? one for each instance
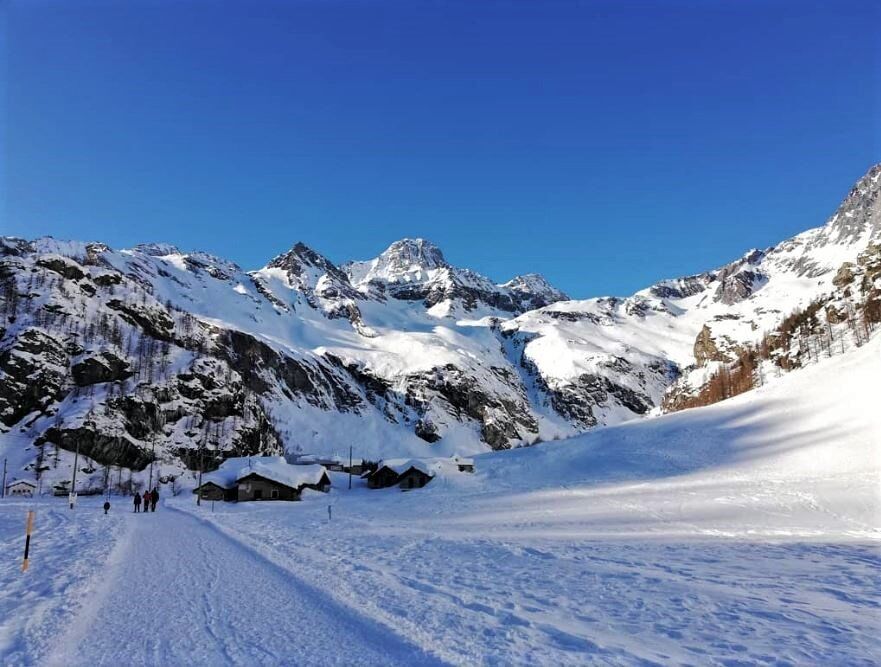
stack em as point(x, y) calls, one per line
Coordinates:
point(604, 144)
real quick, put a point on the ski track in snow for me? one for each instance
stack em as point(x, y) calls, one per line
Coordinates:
point(180, 592)
point(535, 599)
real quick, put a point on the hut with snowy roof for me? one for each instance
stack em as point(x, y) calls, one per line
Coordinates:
point(405, 473)
point(414, 477)
point(463, 464)
point(21, 487)
point(262, 478)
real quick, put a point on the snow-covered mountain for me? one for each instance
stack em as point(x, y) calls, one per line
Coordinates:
point(415, 270)
point(601, 361)
point(118, 350)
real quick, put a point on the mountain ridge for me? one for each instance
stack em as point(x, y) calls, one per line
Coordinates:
point(403, 354)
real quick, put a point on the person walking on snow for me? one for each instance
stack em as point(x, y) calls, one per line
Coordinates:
point(137, 502)
point(154, 497)
point(106, 506)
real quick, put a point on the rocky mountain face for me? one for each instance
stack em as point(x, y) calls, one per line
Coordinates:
point(154, 354)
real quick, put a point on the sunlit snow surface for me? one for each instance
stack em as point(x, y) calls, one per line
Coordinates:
point(743, 533)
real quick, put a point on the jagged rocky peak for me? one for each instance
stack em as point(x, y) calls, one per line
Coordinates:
point(406, 254)
point(322, 284)
point(300, 256)
point(536, 285)
point(157, 249)
point(404, 261)
point(309, 270)
point(859, 215)
point(740, 279)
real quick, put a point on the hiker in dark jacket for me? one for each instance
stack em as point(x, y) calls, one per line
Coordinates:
point(106, 506)
point(154, 497)
point(137, 502)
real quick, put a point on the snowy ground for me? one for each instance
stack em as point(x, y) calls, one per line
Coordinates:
point(748, 532)
point(172, 590)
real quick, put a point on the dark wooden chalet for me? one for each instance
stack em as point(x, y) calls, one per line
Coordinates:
point(257, 487)
point(382, 478)
point(413, 478)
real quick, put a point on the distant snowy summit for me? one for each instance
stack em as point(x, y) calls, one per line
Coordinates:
point(415, 269)
point(404, 354)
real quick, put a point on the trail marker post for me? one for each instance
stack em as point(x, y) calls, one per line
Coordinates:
point(29, 526)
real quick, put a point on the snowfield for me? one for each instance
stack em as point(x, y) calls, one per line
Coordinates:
point(747, 532)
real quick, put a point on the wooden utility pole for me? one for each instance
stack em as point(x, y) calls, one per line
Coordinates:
point(201, 465)
point(3, 488)
point(76, 459)
point(153, 458)
point(350, 467)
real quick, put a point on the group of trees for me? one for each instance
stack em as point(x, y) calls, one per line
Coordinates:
point(804, 336)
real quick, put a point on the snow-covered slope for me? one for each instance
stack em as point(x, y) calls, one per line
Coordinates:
point(798, 457)
point(404, 354)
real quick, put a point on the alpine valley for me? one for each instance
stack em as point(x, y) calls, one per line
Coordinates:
point(153, 353)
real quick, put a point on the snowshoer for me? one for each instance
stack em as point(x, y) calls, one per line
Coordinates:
point(106, 506)
point(137, 502)
point(154, 497)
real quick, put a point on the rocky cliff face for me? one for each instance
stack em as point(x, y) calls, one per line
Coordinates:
point(155, 354)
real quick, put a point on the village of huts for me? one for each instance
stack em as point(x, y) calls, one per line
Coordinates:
point(249, 478)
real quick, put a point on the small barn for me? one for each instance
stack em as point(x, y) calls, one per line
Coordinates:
point(21, 487)
point(216, 490)
point(221, 483)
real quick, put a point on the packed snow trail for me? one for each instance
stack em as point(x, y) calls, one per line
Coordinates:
point(177, 591)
